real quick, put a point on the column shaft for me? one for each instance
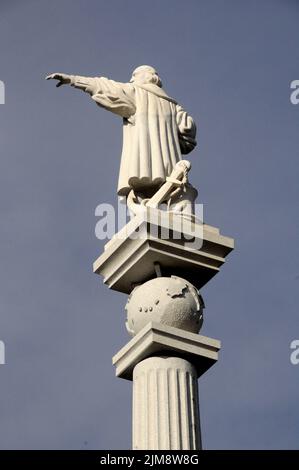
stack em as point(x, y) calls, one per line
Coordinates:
point(165, 405)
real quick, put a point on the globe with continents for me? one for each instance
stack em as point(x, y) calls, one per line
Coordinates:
point(172, 301)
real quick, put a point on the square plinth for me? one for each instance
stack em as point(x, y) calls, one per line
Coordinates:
point(175, 246)
point(156, 338)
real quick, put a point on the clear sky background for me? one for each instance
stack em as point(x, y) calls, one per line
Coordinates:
point(230, 63)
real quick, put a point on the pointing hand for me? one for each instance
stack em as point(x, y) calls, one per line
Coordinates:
point(63, 78)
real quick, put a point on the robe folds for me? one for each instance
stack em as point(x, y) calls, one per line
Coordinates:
point(156, 130)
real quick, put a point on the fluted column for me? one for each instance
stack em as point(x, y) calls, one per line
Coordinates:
point(165, 405)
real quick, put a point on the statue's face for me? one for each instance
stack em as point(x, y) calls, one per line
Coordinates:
point(143, 75)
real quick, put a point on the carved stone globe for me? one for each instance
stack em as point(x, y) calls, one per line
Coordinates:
point(172, 301)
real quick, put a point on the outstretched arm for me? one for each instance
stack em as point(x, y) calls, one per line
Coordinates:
point(87, 84)
point(114, 96)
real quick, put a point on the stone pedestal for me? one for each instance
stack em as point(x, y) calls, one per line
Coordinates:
point(161, 263)
point(193, 251)
point(165, 405)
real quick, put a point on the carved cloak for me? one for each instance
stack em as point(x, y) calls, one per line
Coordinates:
point(156, 130)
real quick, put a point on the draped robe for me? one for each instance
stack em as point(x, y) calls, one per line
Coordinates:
point(156, 130)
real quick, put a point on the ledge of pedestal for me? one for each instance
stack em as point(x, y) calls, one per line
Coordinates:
point(156, 338)
point(186, 249)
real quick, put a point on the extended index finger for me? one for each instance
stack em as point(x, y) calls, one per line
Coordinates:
point(53, 76)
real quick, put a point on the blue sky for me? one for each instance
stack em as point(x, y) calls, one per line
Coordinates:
point(230, 63)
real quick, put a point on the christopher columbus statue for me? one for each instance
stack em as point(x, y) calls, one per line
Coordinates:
point(156, 130)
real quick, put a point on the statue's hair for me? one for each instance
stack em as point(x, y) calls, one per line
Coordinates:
point(154, 74)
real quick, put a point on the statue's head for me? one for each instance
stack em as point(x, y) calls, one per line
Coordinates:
point(146, 74)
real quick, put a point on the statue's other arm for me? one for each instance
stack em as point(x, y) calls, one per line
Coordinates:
point(114, 96)
point(187, 130)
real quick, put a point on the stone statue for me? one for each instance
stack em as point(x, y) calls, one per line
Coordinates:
point(158, 260)
point(156, 132)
